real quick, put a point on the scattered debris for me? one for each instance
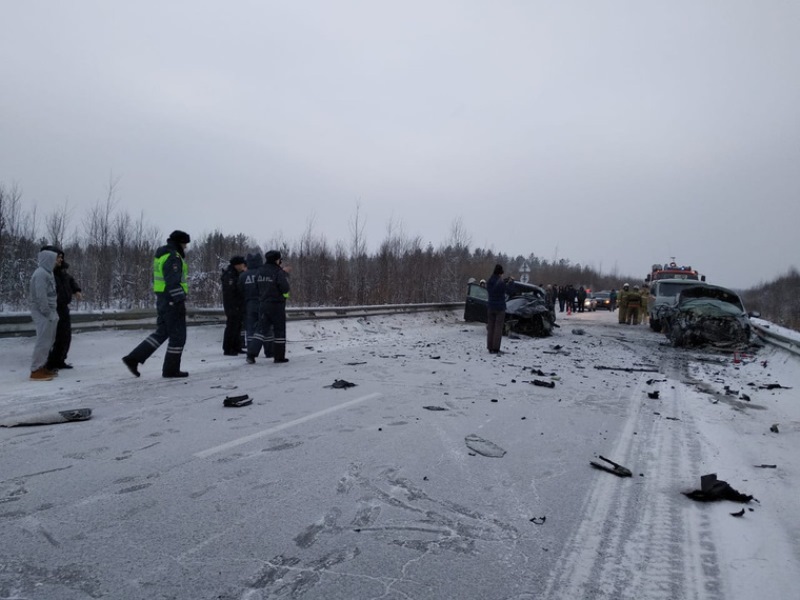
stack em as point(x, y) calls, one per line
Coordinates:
point(578, 331)
point(652, 381)
point(237, 401)
point(341, 384)
point(353, 364)
point(227, 386)
point(672, 418)
point(435, 357)
point(538, 520)
point(434, 408)
point(48, 418)
point(774, 386)
point(745, 397)
point(540, 383)
point(774, 428)
point(738, 514)
point(615, 468)
point(713, 489)
point(653, 395)
point(766, 466)
point(483, 447)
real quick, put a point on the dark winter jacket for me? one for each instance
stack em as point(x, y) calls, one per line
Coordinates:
point(496, 287)
point(273, 284)
point(66, 286)
point(232, 294)
point(247, 279)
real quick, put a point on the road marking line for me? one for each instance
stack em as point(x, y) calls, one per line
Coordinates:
point(270, 431)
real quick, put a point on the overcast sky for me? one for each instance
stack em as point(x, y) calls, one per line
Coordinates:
point(614, 134)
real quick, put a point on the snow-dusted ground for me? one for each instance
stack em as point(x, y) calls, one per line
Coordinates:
point(314, 492)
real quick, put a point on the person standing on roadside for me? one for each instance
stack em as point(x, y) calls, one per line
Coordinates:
point(44, 313)
point(170, 275)
point(233, 303)
point(496, 309)
point(66, 288)
point(622, 303)
point(273, 291)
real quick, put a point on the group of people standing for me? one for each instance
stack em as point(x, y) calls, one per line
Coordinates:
point(254, 295)
point(52, 289)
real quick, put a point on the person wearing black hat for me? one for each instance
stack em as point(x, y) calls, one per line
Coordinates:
point(66, 288)
point(170, 283)
point(496, 286)
point(273, 290)
point(233, 303)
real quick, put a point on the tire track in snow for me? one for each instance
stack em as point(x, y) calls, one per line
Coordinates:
point(638, 539)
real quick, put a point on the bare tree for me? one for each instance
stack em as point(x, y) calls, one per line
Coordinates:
point(56, 223)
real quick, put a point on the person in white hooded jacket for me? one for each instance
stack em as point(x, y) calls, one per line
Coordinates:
point(45, 316)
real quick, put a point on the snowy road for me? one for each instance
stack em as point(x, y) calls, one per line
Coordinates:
point(373, 491)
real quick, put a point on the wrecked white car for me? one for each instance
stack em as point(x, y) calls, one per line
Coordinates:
point(707, 314)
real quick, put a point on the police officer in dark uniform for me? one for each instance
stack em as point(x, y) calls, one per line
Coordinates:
point(273, 290)
point(170, 274)
point(233, 303)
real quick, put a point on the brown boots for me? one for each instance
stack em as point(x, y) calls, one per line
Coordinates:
point(42, 374)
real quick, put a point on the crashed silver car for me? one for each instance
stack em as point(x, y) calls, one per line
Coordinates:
point(707, 314)
point(527, 312)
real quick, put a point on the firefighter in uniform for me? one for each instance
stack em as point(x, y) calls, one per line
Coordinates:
point(170, 274)
point(643, 310)
point(273, 291)
point(622, 302)
point(633, 306)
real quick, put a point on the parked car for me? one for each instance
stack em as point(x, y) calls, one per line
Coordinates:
point(590, 304)
point(603, 300)
point(662, 298)
point(707, 314)
point(526, 310)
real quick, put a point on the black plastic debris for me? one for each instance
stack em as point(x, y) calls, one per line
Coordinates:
point(713, 489)
point(237, 401)
point(774, 386)
point(738, 514)
point(353, 364)
point(627, 369)
point(341, 384)
point(578, 331)
point(547, 384)
point(48, 418)
point(774, 428)
point(766, 466)
point(434, 408)
point(653, 395)
point(484, 447)
point(745, 397)
point(538, 520)
point(434, 357)
point(652, 381)
point(615, 468)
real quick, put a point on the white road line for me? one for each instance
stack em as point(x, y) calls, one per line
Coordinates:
point(271, 430)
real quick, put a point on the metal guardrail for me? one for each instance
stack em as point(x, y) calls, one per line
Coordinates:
point(776, 335)
point(22, 325)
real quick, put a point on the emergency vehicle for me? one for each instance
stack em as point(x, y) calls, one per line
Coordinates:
point(673, 271)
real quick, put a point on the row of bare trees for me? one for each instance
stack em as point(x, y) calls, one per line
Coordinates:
point(110, 254)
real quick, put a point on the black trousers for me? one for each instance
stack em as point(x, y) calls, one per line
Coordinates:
point(271, 324)
point(231, 339)
point(60, 349)
point(170, 325)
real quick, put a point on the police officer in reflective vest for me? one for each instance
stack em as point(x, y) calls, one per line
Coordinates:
point(170, 273)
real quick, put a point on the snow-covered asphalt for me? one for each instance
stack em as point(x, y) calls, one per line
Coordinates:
point(443, 473)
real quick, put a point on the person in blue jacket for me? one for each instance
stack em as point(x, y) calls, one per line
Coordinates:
point(496, 310)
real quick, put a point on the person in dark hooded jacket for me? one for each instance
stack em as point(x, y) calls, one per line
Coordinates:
point(66, 288)
point(233, 303)
point(496, 308)
point(170, 283)
point(273, 290)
